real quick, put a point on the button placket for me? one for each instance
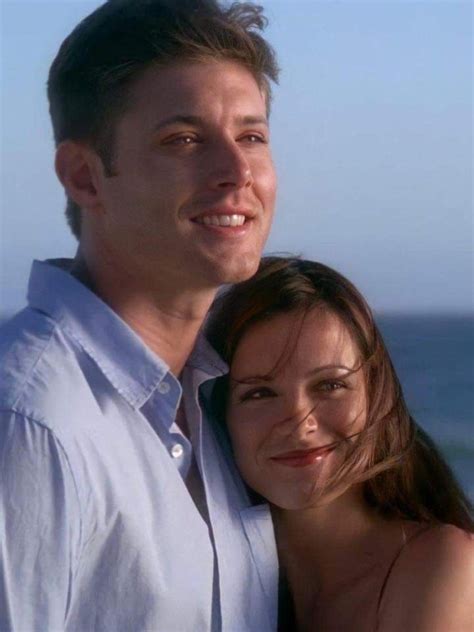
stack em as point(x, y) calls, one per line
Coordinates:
point(177, 451)
point(164, 388)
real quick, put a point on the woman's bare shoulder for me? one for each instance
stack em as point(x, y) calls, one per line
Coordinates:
point(431, 586)
point(438, 544)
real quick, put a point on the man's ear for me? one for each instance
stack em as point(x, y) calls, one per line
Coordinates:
point(77, 168)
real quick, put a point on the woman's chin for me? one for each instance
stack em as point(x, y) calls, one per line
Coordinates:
point(305, 496)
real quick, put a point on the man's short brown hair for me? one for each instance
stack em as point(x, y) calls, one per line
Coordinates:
point(90, 78)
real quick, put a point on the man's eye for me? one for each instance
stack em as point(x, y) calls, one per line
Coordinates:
point(255, 138)
point(255, 394)
point(184, 139)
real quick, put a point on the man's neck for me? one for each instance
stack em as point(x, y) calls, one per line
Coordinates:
point(167, 319)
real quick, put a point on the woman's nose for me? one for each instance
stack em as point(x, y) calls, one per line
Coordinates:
point(300, 420)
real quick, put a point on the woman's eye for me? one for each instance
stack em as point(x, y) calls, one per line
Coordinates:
point(256, 394)
point(330, 386)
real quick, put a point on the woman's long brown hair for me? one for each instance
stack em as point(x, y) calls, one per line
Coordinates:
point(400, 468)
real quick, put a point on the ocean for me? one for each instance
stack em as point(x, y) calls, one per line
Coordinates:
point(434, 359)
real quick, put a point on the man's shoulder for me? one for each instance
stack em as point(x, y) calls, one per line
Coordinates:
point(35, 361)
point(23, 340)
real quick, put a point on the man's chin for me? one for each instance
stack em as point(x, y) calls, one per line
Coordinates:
point(238, 271)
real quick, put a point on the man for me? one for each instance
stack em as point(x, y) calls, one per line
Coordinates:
point(118, 509)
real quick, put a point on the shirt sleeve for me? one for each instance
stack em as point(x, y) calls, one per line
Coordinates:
point(40, 527)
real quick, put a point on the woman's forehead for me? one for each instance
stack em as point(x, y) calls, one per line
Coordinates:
point(297, 339)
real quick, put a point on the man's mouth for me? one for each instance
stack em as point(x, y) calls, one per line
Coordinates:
point(235, 219)
point(302, 458)
point(225, 217)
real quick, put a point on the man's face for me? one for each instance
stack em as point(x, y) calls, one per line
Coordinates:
point(192, 199)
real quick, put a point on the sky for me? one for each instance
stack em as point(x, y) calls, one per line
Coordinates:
point(371, 132)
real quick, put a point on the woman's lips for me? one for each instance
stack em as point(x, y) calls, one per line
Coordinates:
point(302, 458)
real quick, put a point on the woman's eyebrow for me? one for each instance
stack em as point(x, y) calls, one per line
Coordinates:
point(268, 377)
point(251, 379)
point(325, 367)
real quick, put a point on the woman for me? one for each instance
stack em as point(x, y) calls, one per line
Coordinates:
point(373, 531)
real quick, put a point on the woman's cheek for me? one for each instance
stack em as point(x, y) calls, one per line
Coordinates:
point(246, 436)
point(343, 416)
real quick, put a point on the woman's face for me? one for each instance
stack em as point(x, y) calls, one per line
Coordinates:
point(296, 392)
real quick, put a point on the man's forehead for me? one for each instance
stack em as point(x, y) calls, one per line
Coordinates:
point(182, 71)
point(181, 92)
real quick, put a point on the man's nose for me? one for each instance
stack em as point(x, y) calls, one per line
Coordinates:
point(229, 167)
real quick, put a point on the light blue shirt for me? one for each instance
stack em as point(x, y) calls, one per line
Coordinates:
point(98, 531)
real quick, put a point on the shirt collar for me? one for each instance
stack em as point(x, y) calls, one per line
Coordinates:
point(132, 369)
point(206, 359)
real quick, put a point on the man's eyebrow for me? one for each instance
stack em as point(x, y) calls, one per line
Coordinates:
point(196, 121)
point(252, 120)
point(187, 119)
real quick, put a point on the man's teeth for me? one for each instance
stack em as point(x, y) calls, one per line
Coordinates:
point(221, 220)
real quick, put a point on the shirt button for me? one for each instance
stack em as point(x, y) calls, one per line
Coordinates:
point(163, 388)
point(177, 451)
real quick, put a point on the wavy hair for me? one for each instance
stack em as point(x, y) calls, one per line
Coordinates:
point(402, 473)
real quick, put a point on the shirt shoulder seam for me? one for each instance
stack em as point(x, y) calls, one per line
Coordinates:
point(32, 370)
point(43, 425)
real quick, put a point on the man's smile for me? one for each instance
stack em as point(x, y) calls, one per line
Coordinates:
point(221, 220)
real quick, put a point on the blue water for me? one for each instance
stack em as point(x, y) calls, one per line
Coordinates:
point(434, 358)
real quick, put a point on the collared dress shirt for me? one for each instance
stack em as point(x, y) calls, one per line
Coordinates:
point(98, 531)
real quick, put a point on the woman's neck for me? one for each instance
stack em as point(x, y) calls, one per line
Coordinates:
point(325, 546)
